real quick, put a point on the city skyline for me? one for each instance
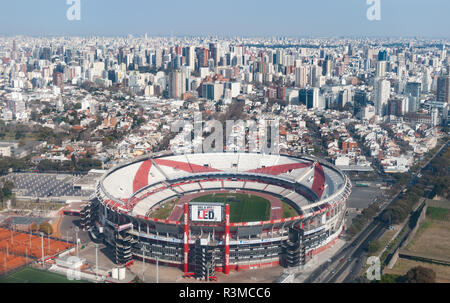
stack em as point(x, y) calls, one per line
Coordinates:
point(324, 18)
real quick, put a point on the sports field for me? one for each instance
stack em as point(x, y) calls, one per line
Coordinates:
point(243, 207)
point(18, 248)
point(164, 211)
point(32, 275)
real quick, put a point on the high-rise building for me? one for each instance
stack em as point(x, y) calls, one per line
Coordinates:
point(381, 69)
point(398, 107)
point(58, 80)
point(158, 58)
point(344, 97)
point(412, 91)
point(326, 71)
point(203, 57)
point(381, 64)
point(382, 89)
point(189, 53)
point(301, 76)
point(177, 84)
point(382, 55)
point(213, 53)
point(443, 89)
point(309, 97)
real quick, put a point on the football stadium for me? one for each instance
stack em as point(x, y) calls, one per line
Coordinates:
point(213, 212)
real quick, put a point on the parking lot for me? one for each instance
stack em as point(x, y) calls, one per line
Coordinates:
point(45, 185)
point(362, 197)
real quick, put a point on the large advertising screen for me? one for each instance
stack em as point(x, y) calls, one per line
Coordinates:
point(207, 212)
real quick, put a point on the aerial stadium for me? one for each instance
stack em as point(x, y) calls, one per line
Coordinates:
point(217, 212)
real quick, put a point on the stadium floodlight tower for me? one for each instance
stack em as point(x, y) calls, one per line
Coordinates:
point(144, 250)
point(42, 246)
point(96, 261)
point(76, 238)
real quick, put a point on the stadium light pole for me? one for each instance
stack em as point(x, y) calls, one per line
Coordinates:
point(42, 246)
point(144, 250)
point(96, 261)
point(76, 239)
point(157, 270)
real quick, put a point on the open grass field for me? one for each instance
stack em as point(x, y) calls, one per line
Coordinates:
point(243, 207)
point(164, 211)
point(402, 266)
point(440, 214)
point(432, 238)
point(288, 211)
point(433, 234)
point(31, 275)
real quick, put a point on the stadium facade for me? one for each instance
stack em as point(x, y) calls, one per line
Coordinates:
point(120, 211)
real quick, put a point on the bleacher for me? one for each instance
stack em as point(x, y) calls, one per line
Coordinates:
point(190, 187)
point(119, 183)
point(233, 184)
point(333, 182)
point(247, 162)
point(218, 171)
point(255, 185)
point(211, 184)
point(274, 189)
point(144, 205)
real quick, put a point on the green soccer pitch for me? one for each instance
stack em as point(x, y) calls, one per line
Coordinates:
point(31, 275)
point(243, 207)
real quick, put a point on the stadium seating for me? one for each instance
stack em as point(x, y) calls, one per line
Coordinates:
point(255, 185)
point(211, 184)
point(274, 189)
point(119, 183)
point(233, 184)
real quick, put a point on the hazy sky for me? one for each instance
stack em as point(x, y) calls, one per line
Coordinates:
point(406, 18)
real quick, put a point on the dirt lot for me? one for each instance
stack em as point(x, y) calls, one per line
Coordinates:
point(432, 238)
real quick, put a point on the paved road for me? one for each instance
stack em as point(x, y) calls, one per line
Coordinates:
point(342, 266)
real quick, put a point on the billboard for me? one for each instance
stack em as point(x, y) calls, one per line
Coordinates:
point(206, 212)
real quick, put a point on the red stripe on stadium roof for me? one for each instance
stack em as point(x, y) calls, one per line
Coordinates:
point(279, 169)
point(187, 167)
point(141, 177)
point(319, 180)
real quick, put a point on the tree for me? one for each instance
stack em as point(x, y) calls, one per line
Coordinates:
point(46, 228)
point(374, 246)
point(419, 274)
point(34, 227)
point(137, 280)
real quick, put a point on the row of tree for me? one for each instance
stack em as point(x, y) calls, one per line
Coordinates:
point(44, 227)
point(436, 176)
